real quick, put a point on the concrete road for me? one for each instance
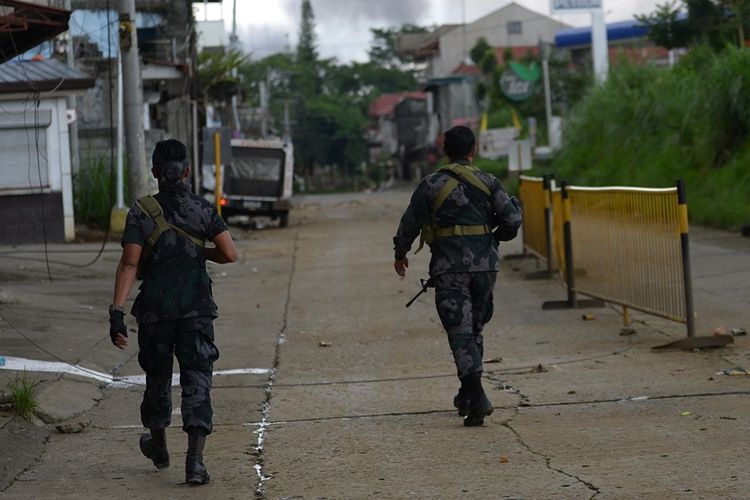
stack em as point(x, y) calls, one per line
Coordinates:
point(327, 387)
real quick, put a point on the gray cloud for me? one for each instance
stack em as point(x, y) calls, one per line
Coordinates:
point(363, 12)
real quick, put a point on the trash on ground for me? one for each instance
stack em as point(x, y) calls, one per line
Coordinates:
point(720, 330)
point(635, 398)
point(736, 371)
point(503, 460)
point(738, 332)
point(587, 317)
point(727, 418)
point(325, 344)
point(540, 368)
point(685, 413)
point(72, 427)
point(571, 392)
point(624, 332)
point(494, 360)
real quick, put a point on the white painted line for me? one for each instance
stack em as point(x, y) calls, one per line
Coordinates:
point(33, 365)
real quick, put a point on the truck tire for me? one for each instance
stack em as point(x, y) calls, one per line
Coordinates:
point(283, 219)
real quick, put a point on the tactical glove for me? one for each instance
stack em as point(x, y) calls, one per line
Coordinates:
point(117, 324)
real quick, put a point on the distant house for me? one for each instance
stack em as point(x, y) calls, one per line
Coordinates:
point(449, 74)
point(512, 26)
point(401, 127)
point(36, 194)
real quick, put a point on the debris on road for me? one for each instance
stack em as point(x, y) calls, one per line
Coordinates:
point(719, 330)
point(635, 398)
point(587, 317)
point(503, 460)
point(625, 332)
point(540, 368)
point(738, 332)
point(72, 427)
point(736, 371)
point(494, 360)
point(685, 413)
point(325, 344)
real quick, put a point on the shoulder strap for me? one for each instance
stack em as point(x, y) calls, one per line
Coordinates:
point(443, 193)
point(150, 206)
point(467, 173)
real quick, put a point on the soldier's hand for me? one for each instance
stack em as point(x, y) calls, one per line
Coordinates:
point(118, 332)
point(400, 266)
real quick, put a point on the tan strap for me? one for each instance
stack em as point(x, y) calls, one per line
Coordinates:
point(150, 206)
point(468, 173)
point(458, 230)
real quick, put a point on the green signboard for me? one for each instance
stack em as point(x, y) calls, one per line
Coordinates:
point(519, 82)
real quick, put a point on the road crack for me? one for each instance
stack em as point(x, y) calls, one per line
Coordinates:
point(523, 402)
point(258, 451)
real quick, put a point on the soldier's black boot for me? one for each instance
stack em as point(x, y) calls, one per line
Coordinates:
point(195, 471)
point(461, 400)
point(154, 446)
point(479, 404)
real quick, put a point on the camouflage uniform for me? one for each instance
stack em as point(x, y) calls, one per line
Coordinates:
point(175, 309)
point(464, 268)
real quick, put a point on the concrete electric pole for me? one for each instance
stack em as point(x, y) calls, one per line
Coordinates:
point(133, 103)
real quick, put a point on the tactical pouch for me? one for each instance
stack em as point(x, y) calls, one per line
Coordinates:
point(151, 208)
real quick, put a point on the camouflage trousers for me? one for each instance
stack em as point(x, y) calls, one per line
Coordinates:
point(465, 304)
point(191, 341)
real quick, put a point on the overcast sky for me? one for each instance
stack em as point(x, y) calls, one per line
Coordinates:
point(343, 26)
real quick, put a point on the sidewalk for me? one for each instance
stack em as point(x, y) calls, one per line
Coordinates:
point(352, 397)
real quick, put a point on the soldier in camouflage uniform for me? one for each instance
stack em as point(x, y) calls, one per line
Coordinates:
point(174, 307)
point(465, 258)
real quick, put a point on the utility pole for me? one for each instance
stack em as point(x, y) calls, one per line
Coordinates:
point(73, 127)
point(132, 102)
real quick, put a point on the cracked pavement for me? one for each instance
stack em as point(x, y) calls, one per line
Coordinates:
point(358, 400)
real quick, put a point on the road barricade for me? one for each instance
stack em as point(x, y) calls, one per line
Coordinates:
point(537, 224)
point(628, 246)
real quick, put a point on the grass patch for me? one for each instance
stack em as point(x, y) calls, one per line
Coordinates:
point(649, 126)
point(93, 192)
point(22, 390)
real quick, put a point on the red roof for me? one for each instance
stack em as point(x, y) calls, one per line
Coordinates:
point(518, 52)
point(466, 69)
point(385, 104)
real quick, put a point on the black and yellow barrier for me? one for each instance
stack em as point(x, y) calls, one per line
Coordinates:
point(629, 246)
point(537, 224)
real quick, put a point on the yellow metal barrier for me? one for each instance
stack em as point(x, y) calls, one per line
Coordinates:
point(557, 228)
point(626, 243)
point(531, 192)
point(537, 231)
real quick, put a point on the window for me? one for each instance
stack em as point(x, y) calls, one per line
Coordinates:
point(515, 27)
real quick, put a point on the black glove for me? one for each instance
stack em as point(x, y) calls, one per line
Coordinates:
point(117, 324)
point(517, 203)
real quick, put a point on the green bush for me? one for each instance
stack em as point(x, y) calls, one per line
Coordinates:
point(22, 397)
point(93, 193)
point(648, 126)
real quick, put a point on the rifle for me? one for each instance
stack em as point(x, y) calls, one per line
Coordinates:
point(428, 283)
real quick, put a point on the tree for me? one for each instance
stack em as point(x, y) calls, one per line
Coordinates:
point(307, 77)
point(666, 27)
point(383, 48)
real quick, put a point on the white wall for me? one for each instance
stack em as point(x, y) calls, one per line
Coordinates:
point(57, 152)
point(457, 43)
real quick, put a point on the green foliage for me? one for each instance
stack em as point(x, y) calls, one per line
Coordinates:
point(215, 78)
point(383, 46)
point(93, 193)
point(22, 397)
point(648, 126)
point(665, 28)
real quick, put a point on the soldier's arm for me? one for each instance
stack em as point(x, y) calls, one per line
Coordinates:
point(125, 277)
point(411, 222)
point(508, 214)
point(224, 252)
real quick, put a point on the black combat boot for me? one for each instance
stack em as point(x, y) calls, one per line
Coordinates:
point(195, 471)
point(461, 400)
point(479, 405)
point(154, 446)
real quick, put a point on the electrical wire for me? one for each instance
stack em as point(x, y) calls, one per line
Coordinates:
point(55, 356)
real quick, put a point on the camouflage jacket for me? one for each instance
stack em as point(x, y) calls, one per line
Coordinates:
point(176, 285)
point(466, 205)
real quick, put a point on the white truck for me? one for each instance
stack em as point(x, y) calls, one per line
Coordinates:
point(256, 180)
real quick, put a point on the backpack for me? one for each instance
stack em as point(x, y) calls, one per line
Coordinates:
point(430, 230)
point(151, 208)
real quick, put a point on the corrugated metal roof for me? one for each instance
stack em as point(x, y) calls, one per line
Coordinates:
point(44, 75)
